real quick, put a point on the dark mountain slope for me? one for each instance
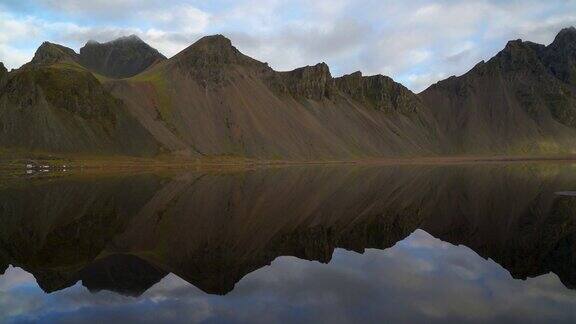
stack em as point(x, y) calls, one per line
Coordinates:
point(3, 75)
point(560, 56)
point(54, 105)
point(210, 99)
point(379, 92)
point(120, 58)
point(521, 101)
point(3, 71)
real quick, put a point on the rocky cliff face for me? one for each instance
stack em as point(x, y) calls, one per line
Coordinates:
point(560, 56)
point(213, 61)
point(379, 92)
point(3, 75)
point(310, 82)
point(49, 53)
point(120, 58)
point(3, 71)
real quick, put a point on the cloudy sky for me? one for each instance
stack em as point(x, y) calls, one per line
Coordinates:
point(416, 42)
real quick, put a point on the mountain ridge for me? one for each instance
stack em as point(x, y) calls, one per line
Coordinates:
point(212, 100)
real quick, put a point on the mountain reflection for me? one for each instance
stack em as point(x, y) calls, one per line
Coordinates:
point(124, 234)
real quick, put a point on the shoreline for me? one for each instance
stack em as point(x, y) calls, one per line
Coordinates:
point(63, 163)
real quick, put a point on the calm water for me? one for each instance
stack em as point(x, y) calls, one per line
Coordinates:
point(490, 243)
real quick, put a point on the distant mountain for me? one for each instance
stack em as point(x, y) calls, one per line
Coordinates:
point(212, 100)
point(521, 101)
point(121, 58)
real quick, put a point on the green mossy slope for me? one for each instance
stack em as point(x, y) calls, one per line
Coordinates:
point(63, 108)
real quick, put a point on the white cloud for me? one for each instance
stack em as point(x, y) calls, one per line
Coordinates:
point(12, 57)
point(17, 29)
point(13, 31)
point(421, 81)
point(181, 18)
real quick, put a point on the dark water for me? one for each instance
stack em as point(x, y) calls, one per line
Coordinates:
point(490, 243)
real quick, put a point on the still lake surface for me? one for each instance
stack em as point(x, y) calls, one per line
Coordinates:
point(330, 244)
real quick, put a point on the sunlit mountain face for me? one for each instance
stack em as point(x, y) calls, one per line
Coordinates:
point(345, 243)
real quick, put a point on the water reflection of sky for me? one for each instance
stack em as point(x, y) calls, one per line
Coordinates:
point(421, 278)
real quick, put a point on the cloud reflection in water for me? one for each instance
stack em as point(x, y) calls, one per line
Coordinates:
point(419, 279)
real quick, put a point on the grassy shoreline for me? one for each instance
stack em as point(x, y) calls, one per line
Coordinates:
point(22, 162)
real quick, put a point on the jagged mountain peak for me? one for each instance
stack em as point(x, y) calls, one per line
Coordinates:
point(311, 82)
point(516, 47)
point(515, 43)
point(213, 51)
point(123, 39)
point(215, 45)
point(524, 85)
point(379, 92)
point(214, 41)
point(357, 74)
point(560, 56)
point(50, 53)
point(130, 38)
point(320, 70)
point(516, 56)
point(214, 60)
point(120, 58)
point(566, 35)
point(565, 41)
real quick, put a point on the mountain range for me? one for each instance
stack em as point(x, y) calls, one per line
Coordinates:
point(125, 98)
